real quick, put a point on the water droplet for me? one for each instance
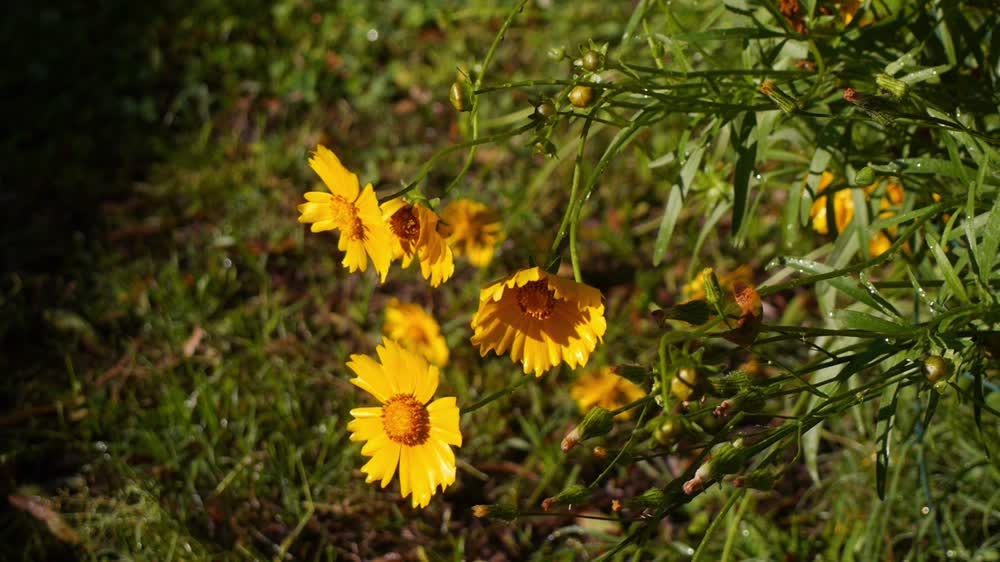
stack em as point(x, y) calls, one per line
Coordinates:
point(101, 446)
point(224, 423)
point(925, 510)
point(920, 164)
point(690, 551)
point(227, 263)
point(372, 34)
point(745, 533)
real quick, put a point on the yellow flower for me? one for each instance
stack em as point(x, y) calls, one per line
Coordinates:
point(843, 207)
point(414, 232)
point(473, 229)
point(405, 430)
point(605, 389)
point(879, 245)
point(695, 289)
point(542, 319)
point(416, 331)
point(355, 212)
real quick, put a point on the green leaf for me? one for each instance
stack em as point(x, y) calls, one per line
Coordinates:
point(747, 156)
point(928, 166)
point(855, 320)
point(728, 33)
point(886, 418)
point(947, 271)
point(670, 213)
point(987, 255)
point(844, 284)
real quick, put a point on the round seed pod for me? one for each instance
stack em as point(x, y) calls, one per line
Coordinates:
point(592, 61)
point(581, 96)
point(936, 368)
point(459, 97)
point(686, 384)
point(545, 110)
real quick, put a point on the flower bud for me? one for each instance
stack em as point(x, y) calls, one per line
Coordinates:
point(545, 110)
point(592, 60)
point(653, 498)
point(727, 459)
point(713, 291)
point(760, 479)
point(893, 86)
point(573, 495)
point(581, 96)
point(495, 511)
point(865, 176)
point(460, 96)
point(557, 53)
point(781, 99)
point(937, 368)
point(598, 421)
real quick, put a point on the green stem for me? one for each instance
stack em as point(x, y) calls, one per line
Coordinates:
point(474, 114)
point(498, 394)
point(699, 554)
point(727, 549)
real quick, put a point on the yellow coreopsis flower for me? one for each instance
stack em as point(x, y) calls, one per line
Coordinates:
point(405, 431)
point(605, 389)
point(415, 234)
point(843, 207)
point(543, 320)
point(416, 331)
point(353, 211)
point(473, 230)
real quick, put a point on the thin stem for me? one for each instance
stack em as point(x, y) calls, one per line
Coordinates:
point(699, 554)
point(498, 394)
point(474, 114)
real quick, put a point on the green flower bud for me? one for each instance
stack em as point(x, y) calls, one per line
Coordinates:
point(784, 101)
point(864, 177)
point(573, 495)
point(653, 498)
point(581, 96)
point(892, 86)
point(495, 511)
point(598, 421)
point(760, 479)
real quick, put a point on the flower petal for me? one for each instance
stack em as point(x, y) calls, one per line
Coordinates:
point(336, 177)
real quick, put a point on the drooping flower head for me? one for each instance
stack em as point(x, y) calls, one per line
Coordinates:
point(415, 234)
point(405, 431)
point(605, 389)
point(353, 211)
point(543, 320)
point(473, 230)
point(416, 331)
point(843, 207)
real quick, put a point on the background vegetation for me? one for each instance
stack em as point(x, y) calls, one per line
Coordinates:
point(174, 343)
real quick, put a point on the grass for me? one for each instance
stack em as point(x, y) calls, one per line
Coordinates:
point(176, 380)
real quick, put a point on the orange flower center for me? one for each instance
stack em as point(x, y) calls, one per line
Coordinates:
point(536, 299)
point(405, 226)
point(343, 212)
point(406, 421)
